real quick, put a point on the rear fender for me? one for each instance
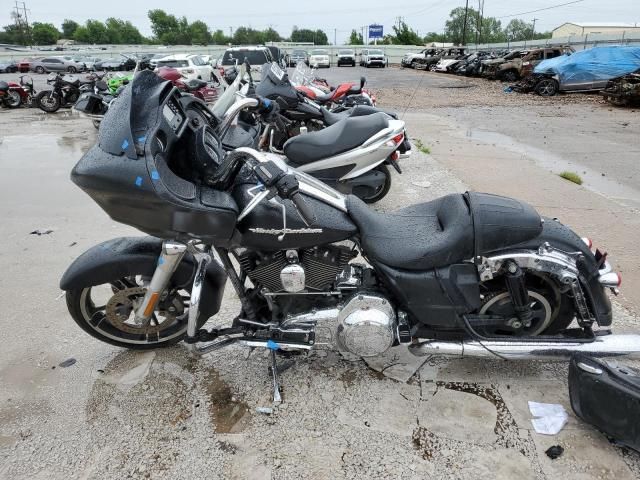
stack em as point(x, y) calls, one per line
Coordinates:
point(563, 238)
point(126, 256)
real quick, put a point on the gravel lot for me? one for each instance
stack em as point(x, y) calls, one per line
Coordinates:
point(115, 414)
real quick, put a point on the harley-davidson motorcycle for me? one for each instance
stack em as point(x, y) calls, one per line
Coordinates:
point(465, 274)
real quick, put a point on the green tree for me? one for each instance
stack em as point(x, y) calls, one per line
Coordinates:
point(517, 30)
point(454, 27)
point(491, 31)
point(247, 36)
point(317, 37)
point(44, 33)
point(122, 32)
point(270, 35)
point(403, 35)
point(199, 33)
point(11, 34)
point(355, 38)
point(69, 27)
point(164, 26)
point(219, 38)
point(435, 37)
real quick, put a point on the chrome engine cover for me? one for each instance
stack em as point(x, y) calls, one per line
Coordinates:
point(293, 278)
point(366, 325)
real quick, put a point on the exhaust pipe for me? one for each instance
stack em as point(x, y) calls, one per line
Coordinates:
point(604, 346)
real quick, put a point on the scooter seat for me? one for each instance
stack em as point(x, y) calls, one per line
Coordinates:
point(338, 138)
point(443, 231)
point(331, 118)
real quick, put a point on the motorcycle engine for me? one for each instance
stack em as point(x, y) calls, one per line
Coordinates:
point(366, 325)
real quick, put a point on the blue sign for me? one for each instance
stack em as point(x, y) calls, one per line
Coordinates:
point(376, 31)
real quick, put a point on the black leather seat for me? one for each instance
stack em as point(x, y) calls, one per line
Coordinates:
point(331, 118)
point(338, 138)
point(442, 232)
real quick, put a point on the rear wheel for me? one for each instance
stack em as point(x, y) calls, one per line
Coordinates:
point(14, 99)
point(552, 311)
point(72, 70)
point(432, 67)
point(107, 312)
point(372, 195)
point(40, 69)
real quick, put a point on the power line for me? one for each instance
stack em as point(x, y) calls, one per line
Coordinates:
point(541, 9)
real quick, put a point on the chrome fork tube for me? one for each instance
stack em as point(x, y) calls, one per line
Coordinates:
point(171, 255)
point(196, 292)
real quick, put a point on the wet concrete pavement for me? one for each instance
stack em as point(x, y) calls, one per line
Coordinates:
point(120, 414)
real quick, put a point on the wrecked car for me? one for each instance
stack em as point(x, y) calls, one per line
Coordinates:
point(624, 90)
point(588, 70)
point(521, 64)
point(411, 59)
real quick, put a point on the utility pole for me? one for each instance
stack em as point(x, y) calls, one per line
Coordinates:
point(533, 29)
point(26, 22)
point(464, 28)
point(335, 35)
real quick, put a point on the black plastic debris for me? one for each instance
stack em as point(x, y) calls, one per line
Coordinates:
point(41, 231)
point(67, 363)
point(554, 452)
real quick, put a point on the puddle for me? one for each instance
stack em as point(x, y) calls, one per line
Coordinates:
point(228, 413)
point(592, 179)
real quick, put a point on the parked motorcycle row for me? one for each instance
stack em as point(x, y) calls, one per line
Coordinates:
point(546, 71)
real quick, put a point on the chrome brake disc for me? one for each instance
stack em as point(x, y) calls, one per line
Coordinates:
point(120, 310)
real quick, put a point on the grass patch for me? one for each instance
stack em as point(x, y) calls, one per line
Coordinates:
point(421, 146)
point(572, 177)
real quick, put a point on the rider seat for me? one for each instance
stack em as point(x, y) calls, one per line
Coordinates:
point(193, 85)
point(331, 118)
point(443, 231)
point(338, 138)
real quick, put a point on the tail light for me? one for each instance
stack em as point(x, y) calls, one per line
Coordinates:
point(398, 139)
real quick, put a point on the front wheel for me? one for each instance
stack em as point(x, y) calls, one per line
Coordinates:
point(547, 87)
point(433, 67)
point(71, 70)
point(48, 101)
point(107, 312)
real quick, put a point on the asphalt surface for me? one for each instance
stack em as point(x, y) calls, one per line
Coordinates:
point(118, 414)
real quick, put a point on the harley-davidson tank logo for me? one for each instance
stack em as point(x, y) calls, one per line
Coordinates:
point(285, 231)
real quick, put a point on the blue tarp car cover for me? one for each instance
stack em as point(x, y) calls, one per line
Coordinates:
point(599, 63)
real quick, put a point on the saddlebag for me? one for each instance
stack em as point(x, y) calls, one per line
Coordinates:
point(89, 103)
point(607, 396)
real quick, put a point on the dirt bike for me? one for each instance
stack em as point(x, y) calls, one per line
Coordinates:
point(465, 274)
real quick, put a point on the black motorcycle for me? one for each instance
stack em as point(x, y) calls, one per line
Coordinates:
point(64, 93)
point(472, 274)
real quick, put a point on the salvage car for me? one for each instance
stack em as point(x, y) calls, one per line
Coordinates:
point(8, 66)
point(346, 56)
point(319, 58)
point(413, 59)
point(298, 56)
point(192, 67)
point(256, 56)
point(623, 90)
point(55, 64)
point(373, 57)
point(520, 64)
point(587, 70)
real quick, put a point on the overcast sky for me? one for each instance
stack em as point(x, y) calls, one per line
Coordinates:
point(282, 15)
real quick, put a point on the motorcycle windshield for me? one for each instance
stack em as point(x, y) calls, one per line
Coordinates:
point(275, 83)
point(124, 127)
point(303, 75)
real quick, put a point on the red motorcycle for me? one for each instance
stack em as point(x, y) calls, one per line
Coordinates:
point(13, 94)
point(198, 88)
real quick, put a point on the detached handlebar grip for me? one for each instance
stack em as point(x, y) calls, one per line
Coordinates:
point(305, 211)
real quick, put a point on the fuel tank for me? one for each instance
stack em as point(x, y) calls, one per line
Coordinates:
point(263, 228)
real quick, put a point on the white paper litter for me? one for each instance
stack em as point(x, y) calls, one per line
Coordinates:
point(550, 417)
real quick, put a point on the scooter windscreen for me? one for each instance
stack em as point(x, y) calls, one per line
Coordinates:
point(275, 83)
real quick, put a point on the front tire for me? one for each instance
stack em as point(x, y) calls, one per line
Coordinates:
point(48, 102)
point(547, 87)
point(105, 312)
point(40, 70)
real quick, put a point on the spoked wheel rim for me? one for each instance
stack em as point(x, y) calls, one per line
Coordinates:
point(110, 309)
point(13, 99)
point(500, 304)
point(546, 88)
point(49, 101)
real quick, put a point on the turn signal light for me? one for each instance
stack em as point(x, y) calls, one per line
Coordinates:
point(588, 241)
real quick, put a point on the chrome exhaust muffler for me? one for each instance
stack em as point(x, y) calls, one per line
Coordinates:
point(603, 346)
